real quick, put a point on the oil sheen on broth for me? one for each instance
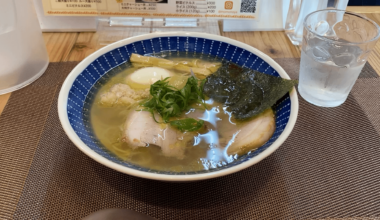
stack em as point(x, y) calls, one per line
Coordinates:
point(203, 149)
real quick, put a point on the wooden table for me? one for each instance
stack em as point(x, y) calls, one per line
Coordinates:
point(76, 46)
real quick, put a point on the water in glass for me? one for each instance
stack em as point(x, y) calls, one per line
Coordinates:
point(328, 73)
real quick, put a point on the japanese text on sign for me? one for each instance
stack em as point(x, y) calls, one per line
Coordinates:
point(239, 9)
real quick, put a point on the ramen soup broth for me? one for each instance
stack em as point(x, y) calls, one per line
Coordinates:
point(203, 149)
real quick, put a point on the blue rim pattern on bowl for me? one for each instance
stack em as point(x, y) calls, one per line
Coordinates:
point(82, 86)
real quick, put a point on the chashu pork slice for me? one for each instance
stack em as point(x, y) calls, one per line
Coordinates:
point(253, 134)
point(141, 130)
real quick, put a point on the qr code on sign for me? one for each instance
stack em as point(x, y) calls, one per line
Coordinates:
point(248, 6)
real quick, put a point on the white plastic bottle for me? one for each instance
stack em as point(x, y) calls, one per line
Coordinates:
point(23, 55)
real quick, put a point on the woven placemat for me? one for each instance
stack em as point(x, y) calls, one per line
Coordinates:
point(329, 167)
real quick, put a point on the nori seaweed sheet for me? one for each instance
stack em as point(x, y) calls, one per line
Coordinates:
point(246, 92)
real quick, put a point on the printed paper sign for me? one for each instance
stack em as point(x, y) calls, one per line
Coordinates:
point(238, 9)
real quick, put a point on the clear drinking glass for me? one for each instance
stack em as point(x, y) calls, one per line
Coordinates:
point(336, 45)
point(298, 9)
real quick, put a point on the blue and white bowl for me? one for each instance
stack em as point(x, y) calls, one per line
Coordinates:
point(72, 97)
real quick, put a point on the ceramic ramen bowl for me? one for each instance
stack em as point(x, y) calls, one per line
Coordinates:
point(79, 82)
